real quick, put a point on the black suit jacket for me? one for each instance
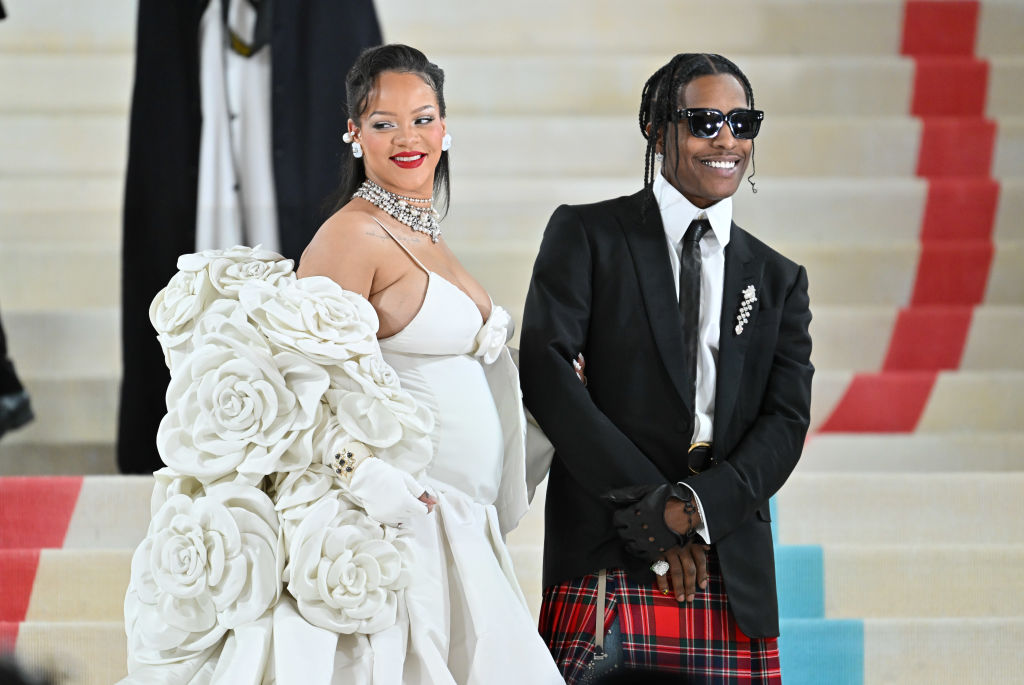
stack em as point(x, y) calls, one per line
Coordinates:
point(602, 285)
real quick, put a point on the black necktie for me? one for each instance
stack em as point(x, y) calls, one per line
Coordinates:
point(689, 305)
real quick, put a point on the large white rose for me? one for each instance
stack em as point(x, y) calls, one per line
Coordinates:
point(346, 570)
point(234, 266)
point(206, 566)
point(174, 310)
point(232, 405)
point(295, 492)
point(313, 316)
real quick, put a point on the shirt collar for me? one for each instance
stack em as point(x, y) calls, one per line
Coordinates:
point(677, 212)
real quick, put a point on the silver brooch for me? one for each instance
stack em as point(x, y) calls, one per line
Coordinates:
point(749, 298)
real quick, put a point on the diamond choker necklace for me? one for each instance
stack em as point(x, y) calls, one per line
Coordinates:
point(423, 220)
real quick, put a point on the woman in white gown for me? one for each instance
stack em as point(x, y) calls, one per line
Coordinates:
point(343, 462)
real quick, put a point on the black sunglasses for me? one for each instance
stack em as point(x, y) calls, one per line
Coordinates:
point(706, 123)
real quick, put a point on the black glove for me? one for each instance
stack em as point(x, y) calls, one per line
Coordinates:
point(640, 520)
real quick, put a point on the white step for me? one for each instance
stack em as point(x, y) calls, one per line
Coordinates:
point(902, 508)
point(778, 26)
point(912, 453)
point(949, 650)
point(960, 401)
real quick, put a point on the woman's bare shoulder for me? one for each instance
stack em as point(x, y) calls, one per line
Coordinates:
point(346, 248)
point(350, 234)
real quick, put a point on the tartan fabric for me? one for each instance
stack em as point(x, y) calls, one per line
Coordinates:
point(701, 640)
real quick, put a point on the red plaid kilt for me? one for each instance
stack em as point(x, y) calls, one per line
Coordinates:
point(658, 633)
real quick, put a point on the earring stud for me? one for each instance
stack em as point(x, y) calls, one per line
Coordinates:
point(446, 142)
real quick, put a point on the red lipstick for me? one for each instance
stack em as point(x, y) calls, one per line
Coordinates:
point(409, 160)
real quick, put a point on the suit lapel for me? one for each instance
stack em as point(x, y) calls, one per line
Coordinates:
point(645, 235)
point(741, 270)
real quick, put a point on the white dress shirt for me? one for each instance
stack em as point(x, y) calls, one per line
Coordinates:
point(676, 215)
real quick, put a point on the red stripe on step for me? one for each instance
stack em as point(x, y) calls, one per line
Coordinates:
point(8, 636)
point(940, 27)
point(35, 511)
point(950, 86)
point(956, 146)
point(928, 338)
point(952, 273)
point(960, 209)
point(19, 574)
point(889, 402)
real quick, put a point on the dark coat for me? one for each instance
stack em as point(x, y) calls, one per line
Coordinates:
point(602, 285)
point(314, 43)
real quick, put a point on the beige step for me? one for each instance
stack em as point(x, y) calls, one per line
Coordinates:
point(79, 585)
point(48, 26)
point(41, 276)
point(960, 401)
point(857, 337)
point(950, 650)
point(914, 581)
point(595, 83)
point(900, 509)
point(69, 412)
point(648, 26)
point(46, 458)
point(69, 343)
point(912, 453)
point(62, 82)
point(84, 653)
point(777, 27)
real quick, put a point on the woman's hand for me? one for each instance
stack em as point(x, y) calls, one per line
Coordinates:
point(389, 494)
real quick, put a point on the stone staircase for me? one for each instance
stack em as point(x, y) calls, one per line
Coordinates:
point(900, 535)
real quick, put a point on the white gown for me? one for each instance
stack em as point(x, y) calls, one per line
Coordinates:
point(467, 618)
point(462, 617)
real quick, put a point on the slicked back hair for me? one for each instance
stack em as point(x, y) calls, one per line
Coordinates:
point(660, 100)
point(360, 85)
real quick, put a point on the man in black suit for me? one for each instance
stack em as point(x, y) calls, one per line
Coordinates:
point(695, 406)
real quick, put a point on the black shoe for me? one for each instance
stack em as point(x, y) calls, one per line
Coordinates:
point(15, 411)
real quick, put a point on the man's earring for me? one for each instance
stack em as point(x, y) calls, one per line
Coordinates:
point(357, 149)
point(446, 142)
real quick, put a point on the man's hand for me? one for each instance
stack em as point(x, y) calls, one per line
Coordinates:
point(688, 571)
point(682, 517)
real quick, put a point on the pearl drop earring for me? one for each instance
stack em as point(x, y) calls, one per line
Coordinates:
point(357, 149)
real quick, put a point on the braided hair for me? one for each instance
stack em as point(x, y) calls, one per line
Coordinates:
point(360, 85)
point(660, 98)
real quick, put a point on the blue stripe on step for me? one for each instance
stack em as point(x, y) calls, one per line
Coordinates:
point(815, 651)
point(773, 511)
point(800, 577)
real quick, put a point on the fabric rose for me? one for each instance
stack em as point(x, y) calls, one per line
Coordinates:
point(314, 317)
point(175, 308)
point(229, 270)
point(492, 336)
point(386, 418)
point(233, 405)
point(295, 492)
point(345, 570)
point(206, 566)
